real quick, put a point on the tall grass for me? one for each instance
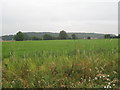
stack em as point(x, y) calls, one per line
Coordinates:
point(60, 63)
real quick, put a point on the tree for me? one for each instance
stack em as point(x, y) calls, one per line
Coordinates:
point(19, 36)
point(47, 37)
point(63, 35)
point(118, 35)
point(35, 38)
point(74, 36)
point(26, 37)
point(88, 37)
point(107, 36)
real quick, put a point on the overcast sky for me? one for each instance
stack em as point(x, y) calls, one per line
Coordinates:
point(100, 16)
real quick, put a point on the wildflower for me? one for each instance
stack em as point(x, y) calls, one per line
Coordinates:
point(109, 86)
point(62, 85)
point(79, 82)
point(90, 69)
point(113, 84)
point(109, 83)
point(84, 80)
point(38, 81)
point(95, 78)
point(103, 76)
point(13, 82)
point(108, 79)
point(89, 77)
point(104, 86)
point(108, 75)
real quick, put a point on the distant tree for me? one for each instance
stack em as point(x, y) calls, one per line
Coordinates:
point(55, 38)
point(19, 36)
point(69, 38)
point(118, 35)
point(35, 38)
point(88, 37)
point(47, 37)
point(63, 35)
point(7, 37)
point(26, 37)
point(74, 36)
point(107, 36)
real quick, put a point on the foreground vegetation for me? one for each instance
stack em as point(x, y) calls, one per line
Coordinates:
point(60, 63)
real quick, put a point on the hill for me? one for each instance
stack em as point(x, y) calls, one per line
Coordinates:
point(41, 34)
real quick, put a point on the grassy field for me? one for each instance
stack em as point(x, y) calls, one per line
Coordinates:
point(60, 63)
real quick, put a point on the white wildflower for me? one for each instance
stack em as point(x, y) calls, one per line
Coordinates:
point(104, 86)
point(113, 84)
point(107, 86)
point(95, 78)
point(13, 82)
point(103, 75)
point(38, 81)
point(110, 87)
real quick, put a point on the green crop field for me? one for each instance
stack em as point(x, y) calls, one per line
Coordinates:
point(60, 63)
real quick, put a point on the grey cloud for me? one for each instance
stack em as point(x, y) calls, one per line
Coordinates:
point(54, 15)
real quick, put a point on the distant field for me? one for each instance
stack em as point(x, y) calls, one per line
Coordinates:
point(60, 63)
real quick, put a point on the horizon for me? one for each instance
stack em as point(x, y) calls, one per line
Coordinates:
point(58, 32)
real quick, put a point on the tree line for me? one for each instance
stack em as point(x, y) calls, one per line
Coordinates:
point(107, 36)
point(62, 36)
